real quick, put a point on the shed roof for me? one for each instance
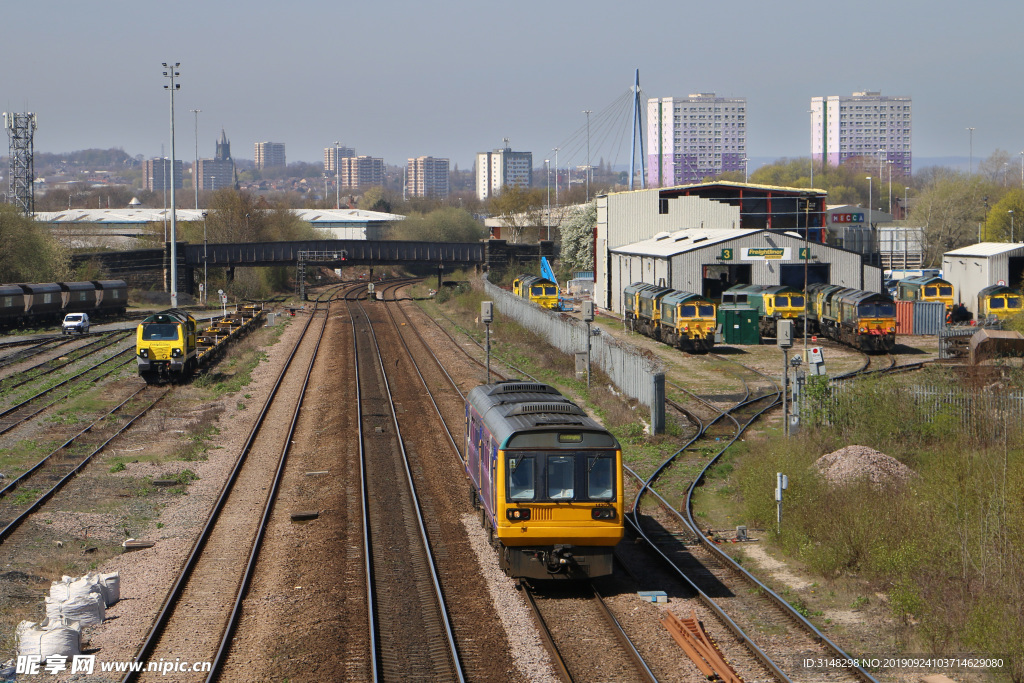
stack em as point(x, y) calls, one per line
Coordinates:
point(682, 241)
point(986, 249)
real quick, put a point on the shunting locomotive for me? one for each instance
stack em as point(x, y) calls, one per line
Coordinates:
point(547, 479)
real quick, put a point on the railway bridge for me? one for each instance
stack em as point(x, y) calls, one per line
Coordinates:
point(149, 267)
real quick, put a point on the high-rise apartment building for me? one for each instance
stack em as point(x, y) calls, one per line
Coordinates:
point(269, 154)
point(865, 125)
point(342, 152)
point(361, 171)
point(695, 137)
point(426, 177)
point(502, 168)
point(157, 175)
point(219, 172)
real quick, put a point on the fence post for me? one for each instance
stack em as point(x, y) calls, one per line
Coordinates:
point(658, 403)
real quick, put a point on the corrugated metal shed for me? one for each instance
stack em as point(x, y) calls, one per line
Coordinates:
point(970, 269)
point(680, 259)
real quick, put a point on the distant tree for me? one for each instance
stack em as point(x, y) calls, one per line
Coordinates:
point(376, 198)
point(28, 253)
point(444, 224)
point(951, 209)
point(996, 168)
point(1003, 226)
point(518, 208)
point(578, 238)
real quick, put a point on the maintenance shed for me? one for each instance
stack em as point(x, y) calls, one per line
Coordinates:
point(709, 261)
point(971, 269)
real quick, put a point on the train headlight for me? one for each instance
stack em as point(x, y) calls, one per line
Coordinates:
point(863, 330)
point(518, 514)
point(175, 353)
point(143, 353)
point(602, 513)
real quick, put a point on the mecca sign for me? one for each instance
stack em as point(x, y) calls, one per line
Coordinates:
point(847, 218)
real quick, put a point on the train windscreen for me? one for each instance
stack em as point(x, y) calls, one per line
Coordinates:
point(159, 332)
point(707, 311)
point(600, 477)
point(1013, 302)
point(879, 309)
point(796, 302)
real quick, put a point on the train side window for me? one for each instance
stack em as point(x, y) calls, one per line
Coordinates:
point(600, 478)
point(560, 477)
point(520, 477)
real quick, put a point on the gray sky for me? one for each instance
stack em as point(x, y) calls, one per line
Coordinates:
point(396, 79)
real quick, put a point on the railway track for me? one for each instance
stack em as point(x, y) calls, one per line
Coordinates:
point(410, 630)
point(204, 604)
point(47, 367)
point(57, 468)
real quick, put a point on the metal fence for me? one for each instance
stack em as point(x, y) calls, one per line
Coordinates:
point(637, 375)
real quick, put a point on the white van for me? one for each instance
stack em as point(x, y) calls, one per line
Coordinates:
point(75, 322)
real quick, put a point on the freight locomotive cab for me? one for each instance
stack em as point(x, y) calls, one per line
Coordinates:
point(548, 480)
point(165, 346)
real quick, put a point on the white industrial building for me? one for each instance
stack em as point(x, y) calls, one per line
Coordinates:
point(973, 268)
point(707, 261)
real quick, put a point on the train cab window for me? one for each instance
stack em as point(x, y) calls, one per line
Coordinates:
point(931, 291)
point(796, 302)
point(560, 477)
point(1013, 302)
point(550, 291)
point(600, 478)
point(158, 332)
point(537, 291)
point(781, 301)
point(520, 477)
point(688, 311)
point(707, 311)
point(945, 290)
point(997, 302)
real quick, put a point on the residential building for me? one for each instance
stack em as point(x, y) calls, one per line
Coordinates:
point(502, 168)
point(427, 177)
point(157, 175)
point(342, 153)
point(868, 126)
point(269, 154)
point(693, 138)
point(219, 172)
point(362, 171)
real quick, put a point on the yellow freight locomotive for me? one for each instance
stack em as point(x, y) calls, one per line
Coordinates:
point(682, 319)
point(540, 291)
point(547, 480)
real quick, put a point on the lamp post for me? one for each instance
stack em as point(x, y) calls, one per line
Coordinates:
point(1011, 224)
point(745, 176)
point(588, 112)
point(1022, 170)
point(881, 158)
point(890, 162)
point(337, 177)
point(555, 150)
point(547, 175)
point(970, 162)
point(811, 112)
point(195, 168)
point(869, 202)
point(206, 286)
point(906, 191)
point(171, 73)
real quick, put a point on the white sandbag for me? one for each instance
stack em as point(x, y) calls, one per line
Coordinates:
point(51, 637)
point(87, 609)
point(71, 587)
point(111, 583)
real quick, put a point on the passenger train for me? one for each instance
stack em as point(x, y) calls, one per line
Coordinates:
point(547, 479)
point(46, 303)
point(681, 319)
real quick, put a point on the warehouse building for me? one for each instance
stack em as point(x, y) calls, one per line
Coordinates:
point(709, 261)
point(973, 268)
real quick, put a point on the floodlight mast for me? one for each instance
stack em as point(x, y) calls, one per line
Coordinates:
point(171, 74)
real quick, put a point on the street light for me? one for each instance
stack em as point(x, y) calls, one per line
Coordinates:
point(195, 168)
point(881, 158)
point(745, 160)
point(547, 175)
point(555, 150)
point(588, 112)
point(171, 73)
point(1011, 224)
point(337, 177)
point(811, 112)
point(869, 202)
point(970, 162)
point(890, 162)
point(206, 286)
point(906, 191)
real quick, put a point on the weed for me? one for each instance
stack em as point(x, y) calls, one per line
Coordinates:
point(859, 602)
point(118, 467)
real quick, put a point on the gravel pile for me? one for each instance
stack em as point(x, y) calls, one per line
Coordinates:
point(855, 463)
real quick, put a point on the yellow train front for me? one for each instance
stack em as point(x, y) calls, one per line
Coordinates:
point(863, 320)
point(165, 346)
point(688, 321)
point(998, 301)
point(772, 302)
point(926, 288)
point(547, 480)
point(539, 290)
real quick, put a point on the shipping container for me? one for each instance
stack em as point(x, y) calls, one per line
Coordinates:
point(904, 317)
point(740, 325)
point(929, 317)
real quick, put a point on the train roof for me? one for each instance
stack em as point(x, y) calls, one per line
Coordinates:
point(654, 292)
point(534, 280)
point(640, 287)
point(923, 280)
point(171, 315)
point(763, 289)
point(995, 290)
point(679, 297)
point(514, 407)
